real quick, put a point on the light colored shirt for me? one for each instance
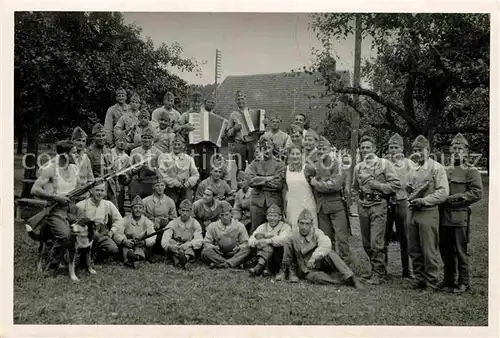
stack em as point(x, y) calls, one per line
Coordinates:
point(113, 114)
point(434, 174)
point(217, 232)
point(174, 114)
point(315, 245)
point(102, 214)
point(54, 182)
point(206, 214)
point(158, 208)
point(182, 233)
point(135, 229)
point(241, 209)
point(280, 139)
point(164, 139)
point(178, 168)
point(403, 168)
point(277, 235)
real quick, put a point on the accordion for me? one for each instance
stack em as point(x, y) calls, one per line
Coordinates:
point(253, 121)
point(209, 127)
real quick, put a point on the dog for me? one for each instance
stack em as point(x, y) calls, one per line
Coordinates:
point(80, 241)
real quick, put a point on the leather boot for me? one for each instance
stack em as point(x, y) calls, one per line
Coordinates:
point(293, 274)
point(281, 276)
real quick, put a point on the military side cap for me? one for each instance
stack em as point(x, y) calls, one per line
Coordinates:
point(460, 139)
point(135, 97)
point(120, 91)
point(148, 131)
point(158, 180)
point(396, 139)
point(305, 214)
point(120, 135)
point(274, 209)
point(421, 141)
point(97, 128)
point(313, 134)
point(239, 94)
point(137, 201)
point(324, 141)
point(226, 206)
point(196, 94)
point(186, 204)
point(78, 133)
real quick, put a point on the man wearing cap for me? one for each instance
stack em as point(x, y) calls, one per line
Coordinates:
point(114, 113)
point(266, 178)
point(327, 181)
point(428, 187)
point(103, 213)
point(85, 174)
point(183, 126)
point(130, 233)
point(244, 142)
point(183, 236)
point(466, 188)
point(398, 202)
point(224, 191)
point(207, 209)
point(179, 171)
point(242, 199)
point(374, 180)
point(226, 241)
point(268, 241)
point(168, 108)
point(101, 160)
point(310, 143)
point(120, 161)
point(130, 118)
point(308, 254)
point(164, 132)
point(280, 139)
point(135, 134)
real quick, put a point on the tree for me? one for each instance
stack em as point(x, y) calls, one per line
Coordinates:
point(430, 76)
point(68, 65)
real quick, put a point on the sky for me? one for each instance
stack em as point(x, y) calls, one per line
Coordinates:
point(251, 43)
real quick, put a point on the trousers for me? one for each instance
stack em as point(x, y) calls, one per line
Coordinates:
point(398, 213)
point(373, 222)
point(212, 256)
point(453, 247)
point(335, 226)
point(273, 257)
point(246, 153)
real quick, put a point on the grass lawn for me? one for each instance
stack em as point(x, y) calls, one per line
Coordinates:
point(161, 294)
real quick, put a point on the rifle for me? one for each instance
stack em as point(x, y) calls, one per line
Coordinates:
point(346, 211)
point(39, 217)
point(143, 238)
point(467, 233)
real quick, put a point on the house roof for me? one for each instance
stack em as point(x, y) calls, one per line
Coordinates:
point(285, 93)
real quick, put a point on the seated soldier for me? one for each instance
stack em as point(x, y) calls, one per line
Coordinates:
point(308, 253)
point(224, 191)
point(129, 234)
point(106, 217)
point(226, 242)
point(179, 172)
point(144, 176)
point(241, 209)
point(268, 240)
point(160, 209)
point(207, 209)
point(164, 132)
point(183, 236)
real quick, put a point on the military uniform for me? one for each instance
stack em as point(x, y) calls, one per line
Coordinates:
point(85, 174)
point(332, 215)
point(465, 189)
point(266, 177)
point(398, 206)
point(281, 140)
point(113, 115)
point(429, 181)
point(121, 160)
point(372, 206)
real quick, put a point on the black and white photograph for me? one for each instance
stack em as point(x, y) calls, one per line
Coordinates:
point(251, 168)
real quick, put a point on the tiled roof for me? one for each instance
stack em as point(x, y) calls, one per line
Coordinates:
point(284, 93)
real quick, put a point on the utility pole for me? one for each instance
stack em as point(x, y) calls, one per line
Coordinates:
point(218, 69)
point(356, 84)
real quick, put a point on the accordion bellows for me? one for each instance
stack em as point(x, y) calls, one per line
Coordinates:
point(209, 127)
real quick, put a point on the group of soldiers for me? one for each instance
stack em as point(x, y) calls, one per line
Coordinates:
point(201, 216)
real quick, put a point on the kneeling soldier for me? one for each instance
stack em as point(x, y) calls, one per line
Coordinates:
point(268, 239)
point(308, 253)
point(130, 233)
point(226, 242)
point(183, 236)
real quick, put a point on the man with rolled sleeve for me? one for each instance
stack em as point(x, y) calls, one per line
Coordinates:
point(266, 177)
point(466, 188)
point(428, 187)
point(308, 254)
point(374, 179)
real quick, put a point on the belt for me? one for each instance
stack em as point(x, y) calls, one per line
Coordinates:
point(372, 197)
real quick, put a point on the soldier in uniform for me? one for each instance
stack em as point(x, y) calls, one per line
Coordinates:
point(85, 174)
point(101, 159)
point(130, 118)
point(244, 145)
point(327, 181)
point(168, 107)
point(310, 143)
point(135, 138)
point(466, 188)
point(114, 113)
point(280, 139)
point(266, 178)
point(241, 209)
point(428, 187)
point(374, 179)
point(121, 160)
point(398, 203)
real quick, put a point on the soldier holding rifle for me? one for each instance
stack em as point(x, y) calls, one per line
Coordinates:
point(466, 188)
point(428, 187)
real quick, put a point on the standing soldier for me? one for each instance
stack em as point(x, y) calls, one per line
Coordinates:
point(114, 113)
point(428, 187)
point(183, 126)
point(310, 143)
point(102, 160)
point(280, 139)
point(120, 161)
point(168, 107)
point(398, 203)
point(79, 139)
point(244, 145)
point(327, 181)
point(466, 188)
point(374, 179)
